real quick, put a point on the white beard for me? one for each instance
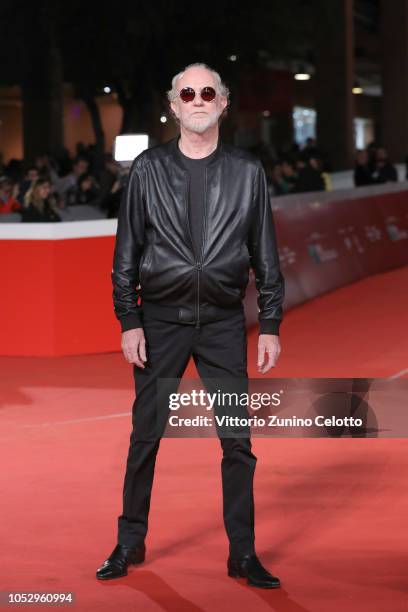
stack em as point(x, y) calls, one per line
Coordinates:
point(199, 126)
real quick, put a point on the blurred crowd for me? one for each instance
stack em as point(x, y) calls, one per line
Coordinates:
point(373, 167)
point(296, 170)
point(41, 192)
point(305, 169)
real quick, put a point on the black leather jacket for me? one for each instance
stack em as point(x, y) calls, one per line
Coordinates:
point(154, 256)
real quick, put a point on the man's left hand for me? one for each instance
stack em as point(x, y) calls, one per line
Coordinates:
point(268, 352)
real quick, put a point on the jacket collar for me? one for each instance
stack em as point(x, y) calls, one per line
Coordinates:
point(174, 151)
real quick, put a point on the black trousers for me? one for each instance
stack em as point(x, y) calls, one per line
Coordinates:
point(219, 350)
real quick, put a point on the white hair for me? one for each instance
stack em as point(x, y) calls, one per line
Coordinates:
point(221, 88)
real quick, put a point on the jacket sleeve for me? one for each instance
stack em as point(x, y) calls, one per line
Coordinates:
point(128, 251)
point(263, 251)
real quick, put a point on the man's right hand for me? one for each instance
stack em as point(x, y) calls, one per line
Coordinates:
point(134, 346)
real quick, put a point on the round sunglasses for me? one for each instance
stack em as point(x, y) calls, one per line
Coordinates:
point(187, 94)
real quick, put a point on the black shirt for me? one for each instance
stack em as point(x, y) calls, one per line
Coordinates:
point(196, 169)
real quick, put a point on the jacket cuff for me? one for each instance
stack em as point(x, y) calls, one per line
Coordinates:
point(269, 326)
point(131, 321)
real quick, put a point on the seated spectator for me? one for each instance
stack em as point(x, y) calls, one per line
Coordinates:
point(108, 177)
point(31, 176)
point(47, 168)
point(371, 150)
point(8, 196)
point(63, 162)
point(310, 175)
point(362, 169)
point(39, 206)
point(282, 178)
point(86, 192)
point(276, 180)
point(289, 175)
point(14, 170)
point(112, 202)
point(310, 149)
point(70, 182)
point(384, 171)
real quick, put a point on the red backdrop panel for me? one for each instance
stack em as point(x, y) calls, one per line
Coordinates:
point(57, 293)
point(57, 297)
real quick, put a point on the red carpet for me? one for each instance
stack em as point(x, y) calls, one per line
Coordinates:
point(330, 514)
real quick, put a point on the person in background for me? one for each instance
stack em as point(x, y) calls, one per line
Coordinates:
point(289, 175)
point(108, 177)
point(362, 169)
point(310, 175)
point(47, 168)
point(39, 206)
point(63, 162)
point(112, 201)
point(86, 192)
point(371, 152)
point(311, 149)
point(32, 175)
point(70, 181)
point(275, 180)
point(281, 177)
point(384, 171)
point(14, 170)
point(8, 196)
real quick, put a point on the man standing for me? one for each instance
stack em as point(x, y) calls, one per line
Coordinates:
point(195, 216)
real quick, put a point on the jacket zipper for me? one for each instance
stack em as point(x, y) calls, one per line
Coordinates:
point(197, 263)
point(200, 261)
point(198, 266)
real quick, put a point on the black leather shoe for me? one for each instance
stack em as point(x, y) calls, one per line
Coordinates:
point(250, 567)
point(116, 565)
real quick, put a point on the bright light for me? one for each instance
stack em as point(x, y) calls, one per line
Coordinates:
point(128, 146)
point(107, 89)
point(266, 113)
point(163, 119)
point(302, 76)
point(357, 90)
point(233, 58)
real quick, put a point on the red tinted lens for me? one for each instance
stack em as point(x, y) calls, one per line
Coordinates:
point(187, 94)
point(208, 94)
